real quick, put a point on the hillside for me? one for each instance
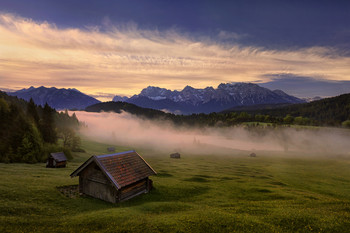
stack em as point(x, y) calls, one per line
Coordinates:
point(329, 111)
point(118, 107)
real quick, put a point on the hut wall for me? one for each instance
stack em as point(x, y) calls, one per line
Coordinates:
point(94, 183)
point(134, 189)
point(51, 162)
point(175, 156)
point(61, 164)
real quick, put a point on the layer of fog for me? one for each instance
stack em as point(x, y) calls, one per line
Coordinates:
point(130, 131)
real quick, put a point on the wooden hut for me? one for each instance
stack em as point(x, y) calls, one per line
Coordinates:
point(111, 149)
point(252, 155)
point(115, 177)
point(175, 155)
point(56, 160)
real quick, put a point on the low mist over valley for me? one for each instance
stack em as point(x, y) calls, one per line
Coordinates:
point(164, 136)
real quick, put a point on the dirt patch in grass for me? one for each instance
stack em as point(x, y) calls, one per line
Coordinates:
point(71, 191)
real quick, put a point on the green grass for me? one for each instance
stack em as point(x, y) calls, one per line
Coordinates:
point(192, 194)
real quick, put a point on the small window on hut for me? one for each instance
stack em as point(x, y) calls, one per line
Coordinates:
point(97, 168)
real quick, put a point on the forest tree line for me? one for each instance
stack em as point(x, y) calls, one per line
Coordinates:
point(28, 133)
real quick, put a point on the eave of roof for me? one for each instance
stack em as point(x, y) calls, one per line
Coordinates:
point(104, 170)
point(81, 167)
point(146, 163)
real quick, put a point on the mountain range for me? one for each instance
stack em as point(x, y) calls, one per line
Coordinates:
point(56, 98)
point(187, 101)
point(191, 100)
point(334, 111)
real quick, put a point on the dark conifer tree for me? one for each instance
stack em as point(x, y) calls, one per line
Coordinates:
point(47, 126)
point(32, 112)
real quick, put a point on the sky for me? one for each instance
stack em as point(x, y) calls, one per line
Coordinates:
point(112, 47)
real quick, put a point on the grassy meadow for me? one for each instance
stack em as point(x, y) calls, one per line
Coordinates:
point(233, 193)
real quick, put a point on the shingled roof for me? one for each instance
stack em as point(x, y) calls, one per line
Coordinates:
point(122, 168)
point(58, 156)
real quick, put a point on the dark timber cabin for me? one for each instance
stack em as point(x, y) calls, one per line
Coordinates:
point(56, 160)
point(114, 177)
point(175, 155)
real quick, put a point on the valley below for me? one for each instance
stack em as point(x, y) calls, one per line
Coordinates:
point(231, 192)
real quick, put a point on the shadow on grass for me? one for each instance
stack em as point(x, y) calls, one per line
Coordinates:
point(260, 194)
point(278, 183)
point(164, 207)
point(169, 194)
point(159, 199)
point(164, 174)
point(196, 179)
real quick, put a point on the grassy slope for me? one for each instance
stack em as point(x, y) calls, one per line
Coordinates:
point(192, 194)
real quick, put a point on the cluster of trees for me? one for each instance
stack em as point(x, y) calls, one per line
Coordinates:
point(333, 111)
point(236, 118)
point(66, 130)
point(28, 133)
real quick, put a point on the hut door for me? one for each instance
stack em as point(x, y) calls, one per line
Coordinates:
point(50, 162)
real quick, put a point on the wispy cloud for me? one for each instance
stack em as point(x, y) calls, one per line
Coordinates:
point(306, 86)
point(125, 59)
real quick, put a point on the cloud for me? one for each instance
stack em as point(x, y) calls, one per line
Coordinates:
point(225, 35)
point(306, 86)
point(103, 95)
point(125, 59)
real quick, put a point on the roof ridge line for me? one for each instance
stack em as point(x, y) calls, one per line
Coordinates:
point(119, 153)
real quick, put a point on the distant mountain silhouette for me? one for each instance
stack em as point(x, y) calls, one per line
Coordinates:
point(119, 98)
point(191, 100)
point(56, 98)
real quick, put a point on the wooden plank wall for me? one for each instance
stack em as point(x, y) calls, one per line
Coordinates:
point(133, 189)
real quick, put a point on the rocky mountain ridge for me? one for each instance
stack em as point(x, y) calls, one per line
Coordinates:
point(206, 100)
